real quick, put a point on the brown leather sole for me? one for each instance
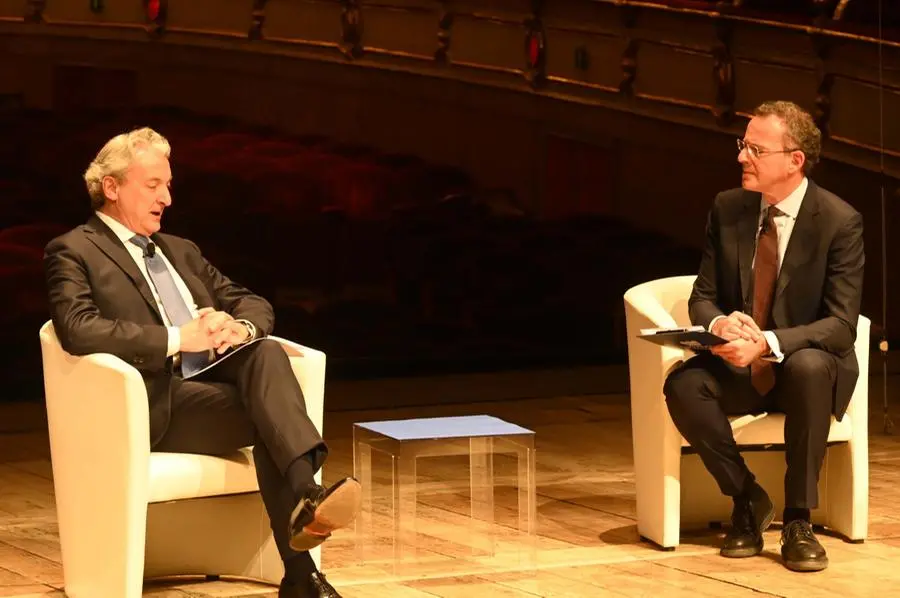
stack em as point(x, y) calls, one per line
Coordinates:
point(336, 511)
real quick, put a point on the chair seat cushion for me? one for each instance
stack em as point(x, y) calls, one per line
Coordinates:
point(177, 476)
point(769, 430)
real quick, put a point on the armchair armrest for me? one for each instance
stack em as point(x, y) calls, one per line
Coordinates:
point(656, 443)
point(642, 310)
point(858, 409)
point(98, 419)
point(99, 431)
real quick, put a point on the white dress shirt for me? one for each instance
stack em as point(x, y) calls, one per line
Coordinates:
point(137, 254)
point(784, 224)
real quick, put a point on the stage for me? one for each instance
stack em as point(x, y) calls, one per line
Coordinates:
point(587, 538)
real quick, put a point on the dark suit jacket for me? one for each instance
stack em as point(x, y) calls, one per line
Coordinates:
point(100, 302)
point(819, 287)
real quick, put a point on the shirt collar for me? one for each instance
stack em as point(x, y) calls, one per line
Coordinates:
point(790, 205)
point(123, 232)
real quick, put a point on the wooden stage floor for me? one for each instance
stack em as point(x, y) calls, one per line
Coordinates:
point(588, 543)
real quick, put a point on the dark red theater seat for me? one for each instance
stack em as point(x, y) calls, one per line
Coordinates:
point(35, 235)
point(15, 257)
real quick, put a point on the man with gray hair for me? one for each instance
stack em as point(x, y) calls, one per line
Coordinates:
point(117, 285)
point(781, 280)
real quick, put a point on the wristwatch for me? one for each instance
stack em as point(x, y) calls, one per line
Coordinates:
point(251, 330)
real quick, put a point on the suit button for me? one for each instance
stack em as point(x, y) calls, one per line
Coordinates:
point(139, 360)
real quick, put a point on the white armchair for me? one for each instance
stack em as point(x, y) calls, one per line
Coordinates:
point(665, 473)
point(126, 514)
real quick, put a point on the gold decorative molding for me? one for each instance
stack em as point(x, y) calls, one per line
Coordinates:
point(628, 16)
point(673, 101)
point(34, 11)
point(376, 51)
point(445, 26)
point(839, 9)
point(535, 46)
point(351, 29)
point(257, 20)
point(865, 146)
point(488, 68)
point(822, 113)
point(156, 12)
point(723, 74)
point(582, 84)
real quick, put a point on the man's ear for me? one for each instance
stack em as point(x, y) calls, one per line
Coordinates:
point(798, 160)
point(110, 188)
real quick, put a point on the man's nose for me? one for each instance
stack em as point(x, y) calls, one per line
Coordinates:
point(165, 197)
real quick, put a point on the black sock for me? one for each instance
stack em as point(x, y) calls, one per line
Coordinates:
point(300, 475)
point(794, 514)
point(298, 568)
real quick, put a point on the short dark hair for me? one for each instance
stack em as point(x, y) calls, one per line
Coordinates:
point(801, 133)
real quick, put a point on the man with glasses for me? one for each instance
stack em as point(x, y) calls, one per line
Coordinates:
point(780, 279)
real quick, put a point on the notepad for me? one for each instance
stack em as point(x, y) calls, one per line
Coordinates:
point(225, 356)
point(695, 338)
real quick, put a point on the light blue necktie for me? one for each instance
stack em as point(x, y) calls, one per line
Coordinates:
point(172, 301)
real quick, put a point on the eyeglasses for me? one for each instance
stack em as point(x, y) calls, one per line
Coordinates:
point(754, 151)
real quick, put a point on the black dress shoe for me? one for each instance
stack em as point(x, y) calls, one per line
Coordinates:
point(322, 511)
point(800, 548)
point(749, 519)
point(318, 587)
point(321, 585)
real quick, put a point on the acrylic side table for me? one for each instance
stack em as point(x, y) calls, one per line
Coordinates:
point(478, 436)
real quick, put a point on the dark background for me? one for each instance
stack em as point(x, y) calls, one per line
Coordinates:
point(453, 187)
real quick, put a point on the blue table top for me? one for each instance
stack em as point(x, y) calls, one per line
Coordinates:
point(444, 427)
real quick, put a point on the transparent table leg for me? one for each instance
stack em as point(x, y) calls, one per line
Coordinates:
point(481, 478)
point(404, 507)
point(528, 502)
point(362, 471)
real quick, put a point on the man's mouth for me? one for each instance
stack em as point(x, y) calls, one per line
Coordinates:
point(156, 212)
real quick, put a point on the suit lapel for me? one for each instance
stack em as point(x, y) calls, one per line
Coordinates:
point(106, 240)
point(802, 240)
point(747, 227)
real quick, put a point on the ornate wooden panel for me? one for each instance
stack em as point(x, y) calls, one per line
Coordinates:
point(124, 12)
point(579, 57)
point(210, 16)
point(401, 30)
point(314, 21)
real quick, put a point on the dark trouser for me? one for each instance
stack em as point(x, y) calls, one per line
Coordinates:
point(250, 398)
point(706, 389)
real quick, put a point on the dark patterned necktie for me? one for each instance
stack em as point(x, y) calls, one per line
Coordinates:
point(765, 273)
point(176, 309)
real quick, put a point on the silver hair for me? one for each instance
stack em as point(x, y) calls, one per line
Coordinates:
point(116, 158)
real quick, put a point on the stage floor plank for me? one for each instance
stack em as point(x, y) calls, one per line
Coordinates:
point(587, 546)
